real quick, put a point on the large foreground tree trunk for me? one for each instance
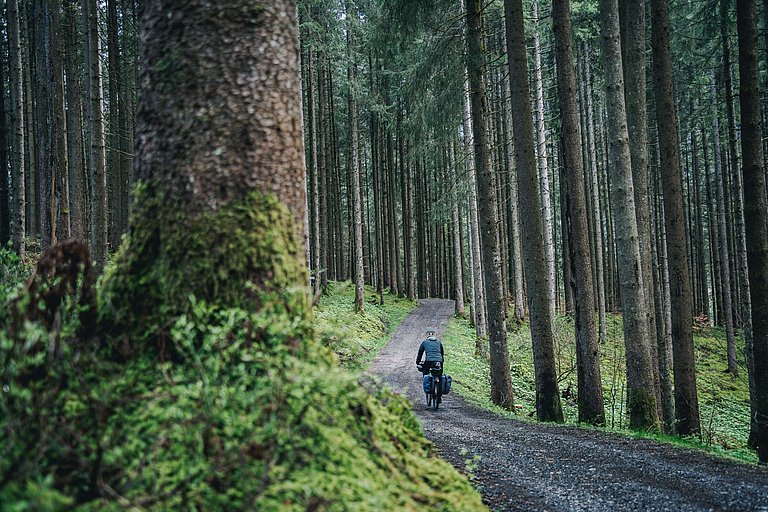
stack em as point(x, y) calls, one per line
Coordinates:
point(540, 307)
point(231, 169)
point(755, 211)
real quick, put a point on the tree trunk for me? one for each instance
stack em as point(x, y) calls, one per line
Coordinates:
point(49, 86)
point(738, 200)
point(501, 383)
point(633, 40)
point(514, 218)
point(481, 324)
point(543, 167)
point(16, 93)
point(756, 210)
point(114, 183)
point(354, 160)
point(663, 313)
point(725, 270)
point(5, 192)
point(238, 175)
point(641, 395)
point(458, 264)
point(540, 306)
point(75, 156)
point(598, 223)
point(590, 392)
point(314, 180)
point(686, 400)
point(30, 131)
point(96, 146)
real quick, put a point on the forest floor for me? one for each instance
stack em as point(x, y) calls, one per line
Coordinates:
point(519, 465)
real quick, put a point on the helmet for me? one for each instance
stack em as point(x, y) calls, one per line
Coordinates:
point(430, 331)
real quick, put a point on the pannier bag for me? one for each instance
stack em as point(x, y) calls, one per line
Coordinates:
point(446, 383)
point(427, 384)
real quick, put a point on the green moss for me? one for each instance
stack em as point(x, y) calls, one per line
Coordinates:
point(250, 413)
point(642, 409)
point(356, 338)
point(244, 255)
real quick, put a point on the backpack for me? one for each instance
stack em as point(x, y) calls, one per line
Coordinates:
point(446, 384)
point(426, 383)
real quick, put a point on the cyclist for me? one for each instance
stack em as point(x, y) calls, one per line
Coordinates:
point(432, 350)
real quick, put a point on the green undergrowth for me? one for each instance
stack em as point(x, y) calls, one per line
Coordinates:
point(203, 405)
point(357, 338)
point(723, 399)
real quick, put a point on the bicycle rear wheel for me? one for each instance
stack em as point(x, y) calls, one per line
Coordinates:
point(436, 394)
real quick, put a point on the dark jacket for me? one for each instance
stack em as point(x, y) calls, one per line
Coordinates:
point(433, 348)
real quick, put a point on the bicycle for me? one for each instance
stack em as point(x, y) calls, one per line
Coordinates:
point(435, 397)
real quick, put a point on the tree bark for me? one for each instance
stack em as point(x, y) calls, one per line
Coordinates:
point(5, 191)
point(756, 210)
point(481, 324)
point(686, 399)
point(633, 40)
point(738, 207)
point(458, 264)
point(598, 223)
point(543, 167)
point(539, 304)
point(114, 183)
point(16, 93)
point(725, 269)
point(354, 160)
point(501, 382)
point(590, 391)
point(515, 250)
point(228, 170)
point(96, 145)
point(49, 80)
point(641, 394)
point(75, 156)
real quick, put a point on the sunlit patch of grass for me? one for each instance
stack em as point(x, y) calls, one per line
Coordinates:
point(723, 398)
point(356, 338)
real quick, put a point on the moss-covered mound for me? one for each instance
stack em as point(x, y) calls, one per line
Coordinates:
point(212, 406)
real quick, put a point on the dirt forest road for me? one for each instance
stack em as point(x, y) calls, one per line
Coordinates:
point(526, 466)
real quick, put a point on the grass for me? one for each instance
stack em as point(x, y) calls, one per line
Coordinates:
point(357, 338)
point(723, 399)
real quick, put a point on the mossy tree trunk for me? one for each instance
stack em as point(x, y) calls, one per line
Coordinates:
point(220, 197)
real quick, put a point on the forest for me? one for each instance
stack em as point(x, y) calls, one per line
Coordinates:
point(224, 225)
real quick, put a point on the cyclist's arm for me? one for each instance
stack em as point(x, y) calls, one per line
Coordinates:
point(442, 352)
point(421, 352)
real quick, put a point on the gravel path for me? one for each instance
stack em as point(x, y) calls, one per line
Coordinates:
point(524, 466)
